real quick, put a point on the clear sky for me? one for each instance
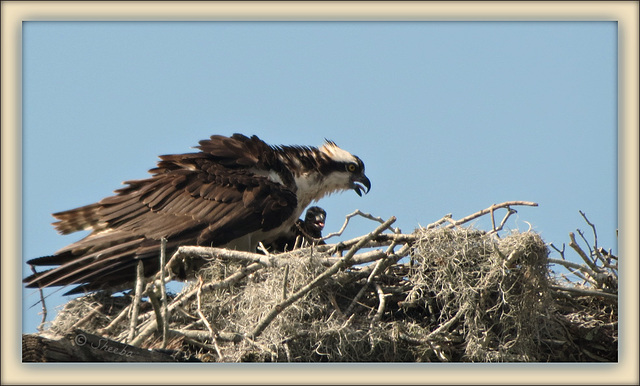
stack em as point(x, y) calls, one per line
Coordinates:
point(448, 117)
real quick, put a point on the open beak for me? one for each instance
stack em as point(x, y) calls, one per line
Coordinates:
point(359, 183)
point(319, 223)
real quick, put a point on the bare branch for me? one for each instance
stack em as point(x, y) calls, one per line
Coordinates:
point(506, 204)
point(374, 272)
point(157, 311)
point(573, 244)
point(263, 249)
point(381, 304)
point(445, 326)
point(163, 292)
point(591, 254)
point(204, 320)
point(585, 292)
point(561, 252)
point(209, 253)
point(44, 306)
point(576, 269)
point(593, 227)
point(87, 317)
point(493, 219)
point(439, 222)
point(135, 306)
point(569, 264)
point(357, 213)
point(116, 321)
point(504, 220)
point(285, 282)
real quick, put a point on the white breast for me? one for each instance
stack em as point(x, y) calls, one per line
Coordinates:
point(312, 187)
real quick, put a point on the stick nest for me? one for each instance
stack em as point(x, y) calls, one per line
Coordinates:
point(441, 293)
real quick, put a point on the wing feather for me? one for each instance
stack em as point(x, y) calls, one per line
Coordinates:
point(206, 198)
point(83, 218)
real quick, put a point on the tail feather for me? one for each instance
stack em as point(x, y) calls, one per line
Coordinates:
point(51, 260)
point(114, 277)
point(75, 267)
point(99, 264)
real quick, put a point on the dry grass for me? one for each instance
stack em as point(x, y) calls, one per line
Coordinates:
point(460, 294)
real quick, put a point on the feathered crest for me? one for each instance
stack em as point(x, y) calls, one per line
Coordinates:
point(333, 151)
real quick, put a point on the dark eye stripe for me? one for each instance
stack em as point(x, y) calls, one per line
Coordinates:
point(342, 166)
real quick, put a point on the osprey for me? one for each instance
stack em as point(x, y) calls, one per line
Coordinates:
point(308, 231)
point(234, 193)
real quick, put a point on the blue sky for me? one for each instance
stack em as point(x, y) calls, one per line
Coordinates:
point(448, 117)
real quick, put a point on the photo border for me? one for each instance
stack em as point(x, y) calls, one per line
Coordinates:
point(14, 371)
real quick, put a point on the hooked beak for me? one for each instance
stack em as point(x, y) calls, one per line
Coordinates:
point(359, 183)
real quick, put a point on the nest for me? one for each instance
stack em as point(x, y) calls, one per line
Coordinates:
point(439, 294)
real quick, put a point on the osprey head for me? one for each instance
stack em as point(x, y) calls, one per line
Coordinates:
point(343, 169)
point(315, 218)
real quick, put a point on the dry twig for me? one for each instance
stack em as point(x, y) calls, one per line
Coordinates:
point(163, 293)
point(44, 306)
point(350, 216)
point(135, 306)
point(212, 334)
point(506, 204)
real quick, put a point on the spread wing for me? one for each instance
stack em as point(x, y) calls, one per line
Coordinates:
point(208, 198)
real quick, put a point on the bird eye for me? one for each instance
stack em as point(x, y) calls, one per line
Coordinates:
point(351, 167)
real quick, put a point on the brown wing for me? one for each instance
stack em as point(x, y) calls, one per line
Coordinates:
point(218, 154)
point(192, 199)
